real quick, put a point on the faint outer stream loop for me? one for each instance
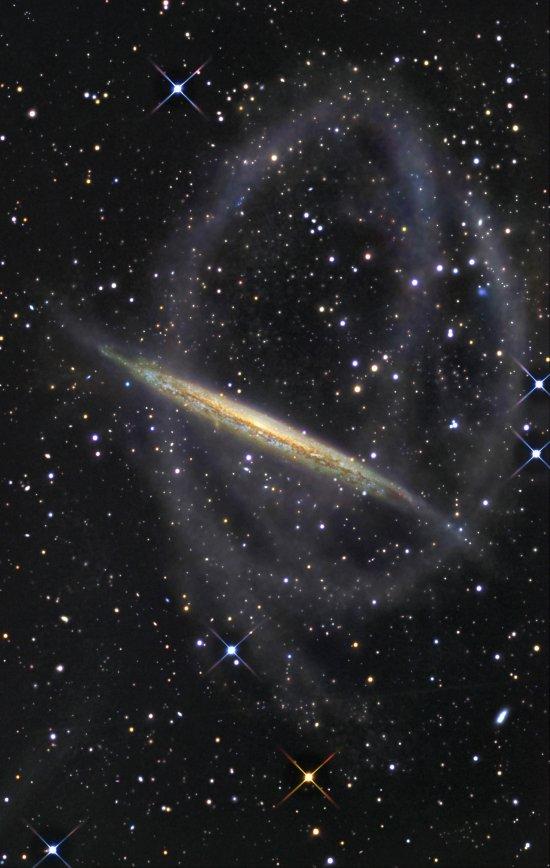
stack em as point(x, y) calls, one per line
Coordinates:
point(450, 414)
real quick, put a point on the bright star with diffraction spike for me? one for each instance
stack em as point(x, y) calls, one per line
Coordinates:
point(308, 778)
point(51, 848)
point(178, 88)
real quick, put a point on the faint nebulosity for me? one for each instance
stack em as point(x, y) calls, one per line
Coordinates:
point(275, 483)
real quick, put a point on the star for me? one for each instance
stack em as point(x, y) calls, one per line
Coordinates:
point(233, 650)
point(537, 384)
point(536, 454)
point(308, 778)
point(52, 849)
point(178, 88)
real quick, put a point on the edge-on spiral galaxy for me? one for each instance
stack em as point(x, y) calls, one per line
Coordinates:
point(287, 442)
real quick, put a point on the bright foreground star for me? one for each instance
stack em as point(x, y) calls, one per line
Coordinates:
point(538, 384)
point(52, 849)
point(536, 454)
point(178, 88)
point(308, 778)
point(232, 650)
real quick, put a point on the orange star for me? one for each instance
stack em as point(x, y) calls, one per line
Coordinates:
point(308, 778)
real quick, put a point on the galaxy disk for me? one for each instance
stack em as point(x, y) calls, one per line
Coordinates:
point(279, 438)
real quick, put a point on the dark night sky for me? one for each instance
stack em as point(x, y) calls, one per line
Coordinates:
point(349, 237)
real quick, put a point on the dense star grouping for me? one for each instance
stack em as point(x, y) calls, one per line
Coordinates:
point(345, 241)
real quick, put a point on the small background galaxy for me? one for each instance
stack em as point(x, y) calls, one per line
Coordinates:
point(339, 222)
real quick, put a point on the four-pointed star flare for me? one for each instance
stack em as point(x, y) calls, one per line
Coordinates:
point(308, 778)
point(536, 454)
point(178, 88)
point(51, 848)
point(232, 650)
point(537, 384)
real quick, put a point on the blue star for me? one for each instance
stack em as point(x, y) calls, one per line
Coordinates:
point(536, 454)
point(178, 88)
point(537, 384)
point(52, 849)
point(233, 650)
